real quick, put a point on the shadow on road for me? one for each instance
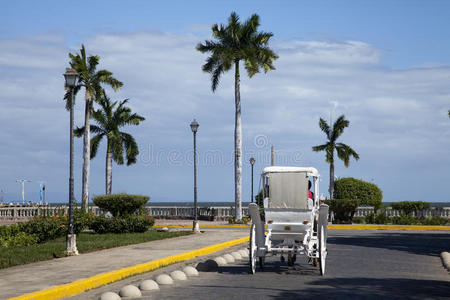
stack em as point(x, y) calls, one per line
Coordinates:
point(370, 288)
point(423, 244)
point(275, 267)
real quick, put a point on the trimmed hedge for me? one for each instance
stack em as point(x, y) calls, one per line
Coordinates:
point(122, 225)
point(351, 188)
point(408, 207)
point(121, 204)
point(343, 209)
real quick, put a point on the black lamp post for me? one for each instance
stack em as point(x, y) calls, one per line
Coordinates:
point(252, 162)
point(194, 127)
point(71, 77)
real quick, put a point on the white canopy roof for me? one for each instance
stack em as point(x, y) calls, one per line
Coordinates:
point(278, 169)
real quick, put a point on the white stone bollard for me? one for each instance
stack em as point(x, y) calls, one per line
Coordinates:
point(220, 261)
point(236, 255)
point(164, 279)
point(178, 275)
point(190, 271)
point(109, 296)
point(130, 291)
point(229, 258)
point(148, 285)
point(243, 253)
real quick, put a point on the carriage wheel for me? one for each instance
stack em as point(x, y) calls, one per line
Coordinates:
point(322, 251)
point(252, 251)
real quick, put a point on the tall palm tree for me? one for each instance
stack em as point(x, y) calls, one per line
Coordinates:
point(92, 80)
point(344, 151)
point(232, 43)
point(109, 120)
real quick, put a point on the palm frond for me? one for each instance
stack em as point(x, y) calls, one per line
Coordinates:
point(114, 138)
point(215, 77)
point(67, 96)
point(345, 152)
point(320, 148)
point(324, 127)
point(130, 146)
point(338, 127)
point(95, 142)
point(105, 76)
point(78, 132)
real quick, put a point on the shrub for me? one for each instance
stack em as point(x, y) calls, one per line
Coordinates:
point(81, 220)
point(343, 209)
point(408, 207)
point(8, 231)
point(122, 225)
point(18, 239)
point(370, 218)
point(381, 218)
point(121, 204)
point(244, 220)
point(404, 220)
point(45, 228)
point(358, 220)
point(435, 221)
point(351, 188)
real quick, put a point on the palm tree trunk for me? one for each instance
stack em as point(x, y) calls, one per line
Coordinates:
point(86, 153)
point(237, 145)
point(331, 180)
point(108, 171)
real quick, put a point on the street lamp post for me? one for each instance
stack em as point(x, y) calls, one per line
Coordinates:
point(71, 78)
point(252, 162)
point(194, 126)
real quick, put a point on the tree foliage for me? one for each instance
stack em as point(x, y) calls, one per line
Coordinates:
point(110, 118)
point(344, 152)
point(408, 207)
point(343, 209)
point(234, 42)
point(351, 188)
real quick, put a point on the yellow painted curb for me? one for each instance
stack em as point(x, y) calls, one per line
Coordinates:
point(81, 285)
point(388, 227)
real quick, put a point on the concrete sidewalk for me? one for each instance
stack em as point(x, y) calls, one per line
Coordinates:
point(28, 278)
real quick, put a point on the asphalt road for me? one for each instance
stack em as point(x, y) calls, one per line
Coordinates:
point(361, 264)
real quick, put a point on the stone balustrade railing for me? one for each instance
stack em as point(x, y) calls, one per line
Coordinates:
point(22, 213)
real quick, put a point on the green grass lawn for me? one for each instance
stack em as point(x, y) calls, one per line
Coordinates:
point(86, 242)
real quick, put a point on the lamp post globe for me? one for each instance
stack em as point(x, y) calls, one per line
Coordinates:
point(252, 162)
point(71, 77)
point(194, 127)
point(71, 80)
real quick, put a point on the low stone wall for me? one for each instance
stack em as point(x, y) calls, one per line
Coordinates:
point(13, 214)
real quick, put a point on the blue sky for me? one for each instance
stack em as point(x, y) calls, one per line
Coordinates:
point(384, 64)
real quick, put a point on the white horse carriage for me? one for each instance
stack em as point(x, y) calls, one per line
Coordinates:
point(295, 221)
